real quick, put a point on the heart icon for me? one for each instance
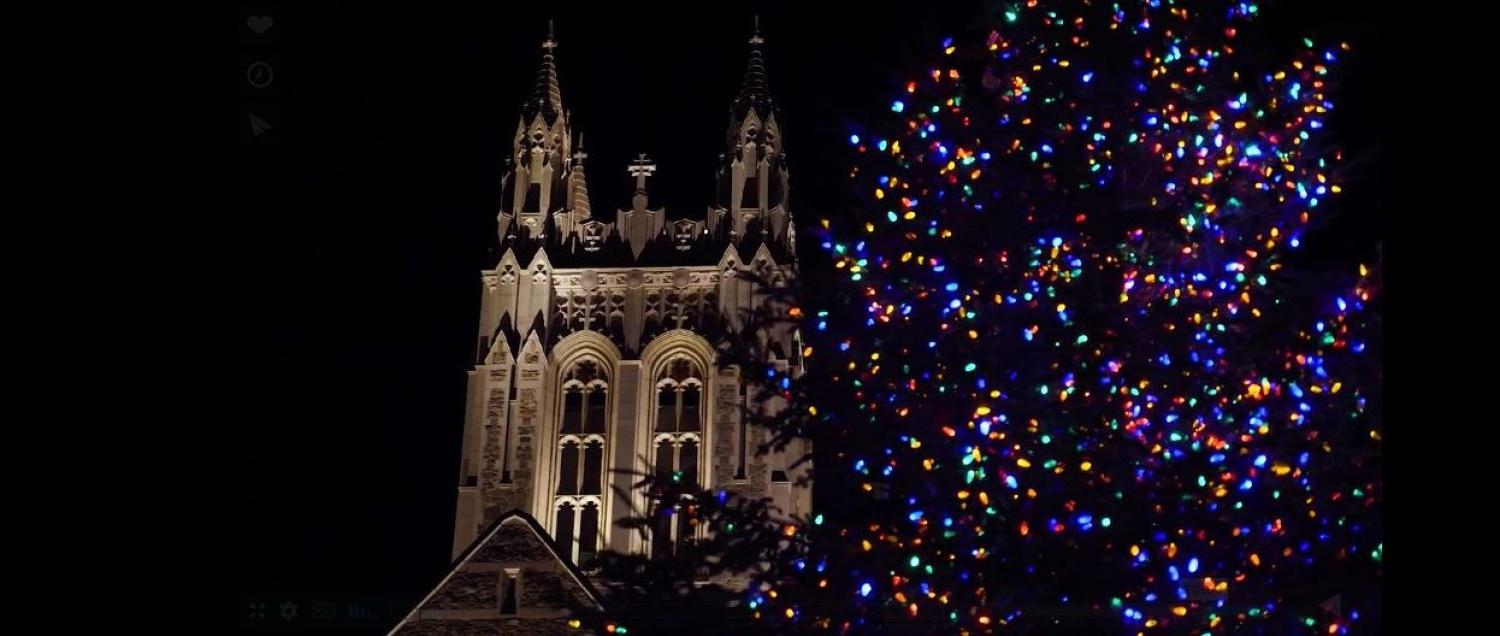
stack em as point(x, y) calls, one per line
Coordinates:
point(259, 23)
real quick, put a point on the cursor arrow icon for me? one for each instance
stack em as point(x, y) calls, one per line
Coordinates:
point(258, 126)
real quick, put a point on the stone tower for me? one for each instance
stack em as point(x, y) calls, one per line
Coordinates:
point(596, 347)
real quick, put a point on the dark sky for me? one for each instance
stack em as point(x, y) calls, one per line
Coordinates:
point(367, 222)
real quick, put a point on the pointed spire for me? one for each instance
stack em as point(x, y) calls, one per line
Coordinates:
point(754, 91)
point(580, 183)
point(546, 97)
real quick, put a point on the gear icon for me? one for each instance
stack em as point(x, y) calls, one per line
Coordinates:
point(288, 610)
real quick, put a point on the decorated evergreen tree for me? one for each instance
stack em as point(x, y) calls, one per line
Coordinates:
point(1078, 372)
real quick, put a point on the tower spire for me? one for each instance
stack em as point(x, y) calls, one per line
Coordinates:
point(754, 90)
point(546, 97)
point(580, 187)
point(752, 176)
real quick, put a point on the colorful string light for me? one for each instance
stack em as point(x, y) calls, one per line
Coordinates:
point(1087, 371)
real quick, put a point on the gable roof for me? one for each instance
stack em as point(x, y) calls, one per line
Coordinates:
point(485, 539)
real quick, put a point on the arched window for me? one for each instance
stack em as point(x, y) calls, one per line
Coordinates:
point(582, 426)
point(677, 436)
point(595, 408)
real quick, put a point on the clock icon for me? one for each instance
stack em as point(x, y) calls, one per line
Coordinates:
point(259, 74)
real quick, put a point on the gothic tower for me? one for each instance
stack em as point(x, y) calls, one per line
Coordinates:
point(596, 347)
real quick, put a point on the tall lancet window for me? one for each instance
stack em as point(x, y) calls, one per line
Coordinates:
point(582, 423)
point(677, 446)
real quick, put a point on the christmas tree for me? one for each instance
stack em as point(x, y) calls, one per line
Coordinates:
point(1090, 382)
point(1078, 372)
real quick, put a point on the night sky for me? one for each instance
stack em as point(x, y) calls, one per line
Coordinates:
point(373, 206)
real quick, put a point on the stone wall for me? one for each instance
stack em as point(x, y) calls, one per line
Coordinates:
point(467, 590)
point(469, 600)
